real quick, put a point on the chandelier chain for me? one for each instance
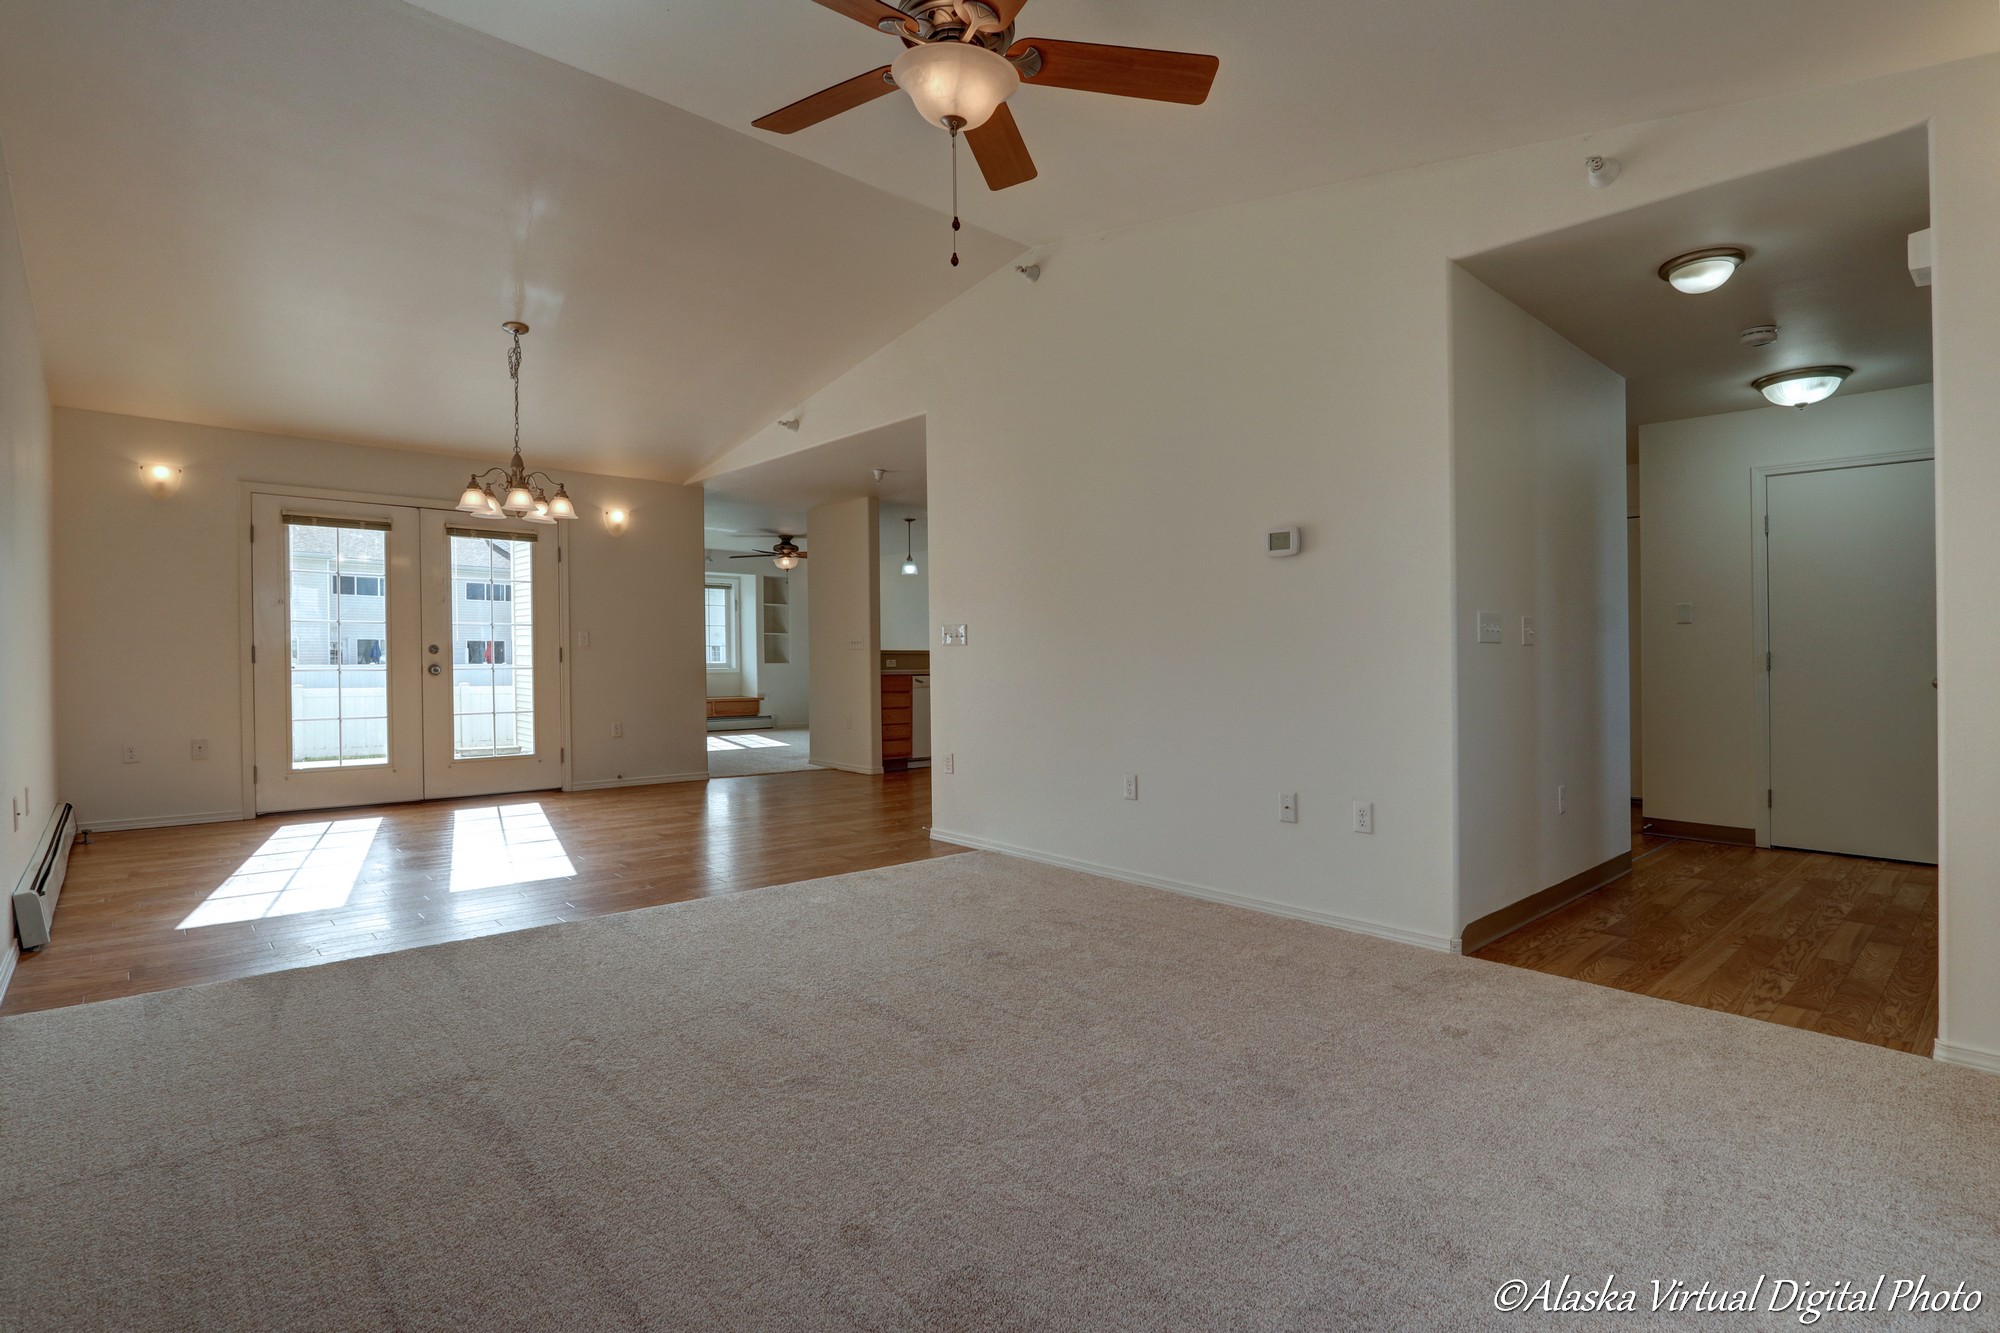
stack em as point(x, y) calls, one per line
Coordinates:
point(514, 373)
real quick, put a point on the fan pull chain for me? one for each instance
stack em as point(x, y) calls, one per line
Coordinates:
point(954, 196)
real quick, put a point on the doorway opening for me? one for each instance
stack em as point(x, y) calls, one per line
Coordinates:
point(1756, 668)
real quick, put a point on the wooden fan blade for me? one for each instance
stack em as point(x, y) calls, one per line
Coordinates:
point(828, 102)
point(1125, 71)
point(1008, 10)
point(1001, 152)
point(870, 12)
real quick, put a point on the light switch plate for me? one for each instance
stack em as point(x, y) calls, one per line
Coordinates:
point(1529, 631)
point(1489, 627)
point(1684, 613)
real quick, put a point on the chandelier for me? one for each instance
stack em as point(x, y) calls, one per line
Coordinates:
point(513, 490)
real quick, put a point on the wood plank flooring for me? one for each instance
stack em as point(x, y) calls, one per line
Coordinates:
point(1838, 944)
point(153, 909)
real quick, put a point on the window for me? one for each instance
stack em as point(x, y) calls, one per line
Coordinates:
point(352, 585)
point(492, 700)
point(368, 652)
point(339, 681)
point(486, 652)
point(719, 604)
point(488, 592)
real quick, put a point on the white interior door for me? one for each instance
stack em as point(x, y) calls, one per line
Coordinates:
point(489, 656)
point(1852, 572)
point(335, 621)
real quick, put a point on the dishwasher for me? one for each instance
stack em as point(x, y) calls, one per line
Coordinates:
point(920, 718)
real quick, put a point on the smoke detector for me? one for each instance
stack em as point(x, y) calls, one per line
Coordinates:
point(1761, 335)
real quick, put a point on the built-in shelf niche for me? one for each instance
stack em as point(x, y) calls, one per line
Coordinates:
point(777, 620)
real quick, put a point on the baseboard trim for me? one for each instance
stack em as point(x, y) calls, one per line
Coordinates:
point(652, 780)
point(1972, 1057)
point(1478, 934)
point(864, 771)
point(162, 821)
point(8, 961)
point(1678, 828)
point(1359, 926)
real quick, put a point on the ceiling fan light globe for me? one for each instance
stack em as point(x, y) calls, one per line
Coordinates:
point(787, 561)
point(955, 79)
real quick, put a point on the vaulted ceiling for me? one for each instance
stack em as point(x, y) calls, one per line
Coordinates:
point(310, 216)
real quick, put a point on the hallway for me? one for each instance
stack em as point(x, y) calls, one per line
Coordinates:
point(1837, 944)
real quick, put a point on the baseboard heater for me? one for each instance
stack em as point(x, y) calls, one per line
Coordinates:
point(41, 883)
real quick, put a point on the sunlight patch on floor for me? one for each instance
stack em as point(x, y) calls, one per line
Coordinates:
point(300, 868)
point(505, 844)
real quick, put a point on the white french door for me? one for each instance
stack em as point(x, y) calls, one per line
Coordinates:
point(489, 656)
point(399, 654)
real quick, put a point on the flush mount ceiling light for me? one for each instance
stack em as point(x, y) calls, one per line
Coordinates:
point(1802, 388)
point(513, 490)
point(909, 546)
point(1701, 271)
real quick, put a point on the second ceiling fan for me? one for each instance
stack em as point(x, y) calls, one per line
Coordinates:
point(962, 62)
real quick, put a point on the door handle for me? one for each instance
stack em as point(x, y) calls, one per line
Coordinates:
point(436, 670)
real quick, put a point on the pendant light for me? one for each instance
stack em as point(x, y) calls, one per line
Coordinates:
point(1802, 388)
point(513, 491)
point(910, 546)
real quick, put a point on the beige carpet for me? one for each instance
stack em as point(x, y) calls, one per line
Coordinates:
point(967, 1094)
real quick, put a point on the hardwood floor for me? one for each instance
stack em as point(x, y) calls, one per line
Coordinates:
point(1837, 944)
point(153, 909)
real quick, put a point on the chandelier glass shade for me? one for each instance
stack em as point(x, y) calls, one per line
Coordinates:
point(513, 491)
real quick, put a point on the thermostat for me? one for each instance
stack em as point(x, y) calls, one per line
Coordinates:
point(1281, 541)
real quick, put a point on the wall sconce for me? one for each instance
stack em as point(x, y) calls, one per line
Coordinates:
point(160, 479)
point(615, 521)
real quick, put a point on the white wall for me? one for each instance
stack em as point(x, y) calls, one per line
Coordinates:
point(1103, 486)
point(1538, 462)
point(27, 735)
point(845, 611)
point(148, 650)
point(787, 685)
point(1704, 743)
point(906, 598)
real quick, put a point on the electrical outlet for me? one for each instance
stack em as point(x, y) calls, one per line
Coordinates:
point(1364, 816)
point(583, 638)
point(1288, 808)
point(197, 749)
point(1131, 786)
point(951, 763)
point(1684, 613)
point(1562, 799)
point(131, 753)
point(617, 731)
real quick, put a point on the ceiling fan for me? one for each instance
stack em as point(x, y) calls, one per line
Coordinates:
point(785, 554)
point(962, 62)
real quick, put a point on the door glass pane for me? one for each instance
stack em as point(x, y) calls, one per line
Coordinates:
point(492, 646)
point(340, 646)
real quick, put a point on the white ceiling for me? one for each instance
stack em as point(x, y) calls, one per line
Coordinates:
point(1310, 91)
point(311, 218)
point(774, 496)
point(1828, 263)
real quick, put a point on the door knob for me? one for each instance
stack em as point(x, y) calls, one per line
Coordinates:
point(436, 670)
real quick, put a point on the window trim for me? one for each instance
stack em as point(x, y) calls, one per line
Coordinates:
point(732, 624)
